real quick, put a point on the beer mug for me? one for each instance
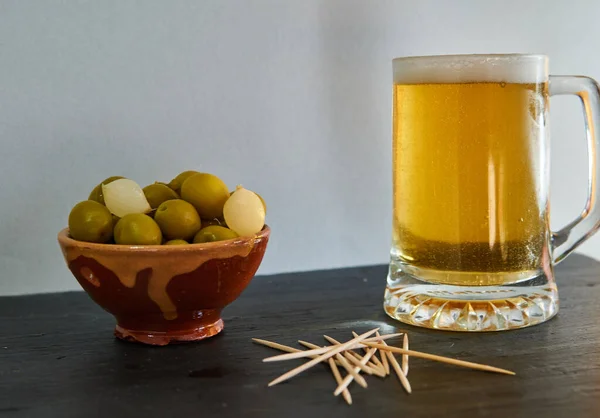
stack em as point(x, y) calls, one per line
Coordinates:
point(472, 248)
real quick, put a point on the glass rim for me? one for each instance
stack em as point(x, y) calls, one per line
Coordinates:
point(434, 57)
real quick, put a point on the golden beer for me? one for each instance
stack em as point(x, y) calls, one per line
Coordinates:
point(469, 172)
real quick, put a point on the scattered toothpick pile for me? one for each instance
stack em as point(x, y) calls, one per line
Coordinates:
point(344, 355)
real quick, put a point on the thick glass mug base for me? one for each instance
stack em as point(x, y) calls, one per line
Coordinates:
point(410, 298)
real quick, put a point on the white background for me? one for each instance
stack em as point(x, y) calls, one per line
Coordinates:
point(290, 98)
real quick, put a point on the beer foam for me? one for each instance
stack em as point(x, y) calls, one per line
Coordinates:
point(511, 68)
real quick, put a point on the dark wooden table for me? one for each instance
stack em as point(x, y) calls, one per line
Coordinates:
point(58, 357)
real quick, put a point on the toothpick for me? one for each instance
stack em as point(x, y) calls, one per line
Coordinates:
point(352, 371)
point(363, 367)
point(399, 372)
point(405, 356)
point(384, 366)
point(378, 365)
point(276, 346)
point(333, 365)
point(384, 360)
point(392, 360)
point(330, 353)
point(281, 347)
point(377, 370)
point(348, 379)
point(361, 381)
point(350, 357)
point(442, 359)
point(354, 358)
point(338, 379)
point(319, 351)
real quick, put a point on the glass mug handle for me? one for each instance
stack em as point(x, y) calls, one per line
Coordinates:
point(585, 225)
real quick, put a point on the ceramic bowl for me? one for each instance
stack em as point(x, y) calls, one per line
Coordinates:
point(162, 294)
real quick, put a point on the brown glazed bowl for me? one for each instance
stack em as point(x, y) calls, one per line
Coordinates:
point(162, 294)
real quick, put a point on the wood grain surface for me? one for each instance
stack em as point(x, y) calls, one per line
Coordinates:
point(58, 357)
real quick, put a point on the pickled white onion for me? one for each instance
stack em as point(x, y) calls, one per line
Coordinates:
point(244, 212)
point(123, 197)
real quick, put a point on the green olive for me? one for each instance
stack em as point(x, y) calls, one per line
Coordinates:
point(177, 219)
point(207, 193)
point(137, 229)
point(214, 233)
point(176, 183)
point(158, 193)
point(177, 242)
point(90, 221)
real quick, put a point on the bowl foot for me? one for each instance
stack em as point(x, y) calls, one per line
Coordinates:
point(169, 337)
